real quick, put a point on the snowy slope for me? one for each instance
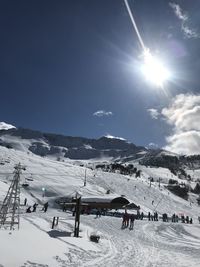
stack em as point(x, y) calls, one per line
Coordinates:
point(149, 244)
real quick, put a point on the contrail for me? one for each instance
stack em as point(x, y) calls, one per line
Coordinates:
point(135, 26)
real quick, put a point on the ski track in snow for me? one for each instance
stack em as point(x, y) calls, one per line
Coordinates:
point(149, 244)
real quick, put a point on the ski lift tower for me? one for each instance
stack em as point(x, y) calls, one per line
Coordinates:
point(9, 212)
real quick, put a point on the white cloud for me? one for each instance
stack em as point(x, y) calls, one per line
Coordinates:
point(183, 114)
point(101, 113)
point(153, 113)
point(184, 143)
point(189, 32)
point(178, 11)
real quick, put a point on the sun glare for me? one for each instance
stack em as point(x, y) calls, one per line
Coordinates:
point(154, 71)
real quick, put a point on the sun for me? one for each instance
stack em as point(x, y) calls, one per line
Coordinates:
point(153, 69)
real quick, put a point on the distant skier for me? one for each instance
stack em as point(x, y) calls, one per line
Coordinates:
point(138, 215)
point(28, 209)
point(149, 216)
point(98, 213)
point(132, 219)
point(64, 207)
point(25, 201)
point(34, 207)
point(45, 207)
point(182, 218)
point(123, 221)
point(165, 217)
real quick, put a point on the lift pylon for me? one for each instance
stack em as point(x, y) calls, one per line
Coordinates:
point(10, 209)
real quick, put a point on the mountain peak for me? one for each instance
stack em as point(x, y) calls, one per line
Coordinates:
point(5, 126)
point(114, 137)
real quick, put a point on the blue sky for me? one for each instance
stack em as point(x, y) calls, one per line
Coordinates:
point(62, 61)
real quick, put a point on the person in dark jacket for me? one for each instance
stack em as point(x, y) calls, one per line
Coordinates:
point(34, 207)
point(45, 206)
point(28, 209)
point(132, 219)
point(25, 201)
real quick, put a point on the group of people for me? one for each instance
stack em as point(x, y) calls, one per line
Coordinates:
point(126, 219)
point(34, 207)
point(140, 216)
point(153, 217)
point(174, 218)
point(186, 219)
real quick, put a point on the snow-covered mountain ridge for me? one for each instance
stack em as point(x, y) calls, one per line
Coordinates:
point(44, 144)
point(80, 148)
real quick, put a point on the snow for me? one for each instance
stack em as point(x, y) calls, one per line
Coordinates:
point(114, 137)
point(86, 146)
point(148, 244)
point(6, 126)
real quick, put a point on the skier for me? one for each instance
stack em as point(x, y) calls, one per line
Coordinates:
point(127, 219)
point(124, 221)
point(183, 218)
point(149, 216)
point(156, 216)
point(191, 221)
point(132, 218)
point(28, 209)
point(45, 207)
point(138, 215)
point(34, 207)
point(98, 213)
point(64, 208)
point(25, 201)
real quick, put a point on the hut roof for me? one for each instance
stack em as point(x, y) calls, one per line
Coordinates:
point(106, 199)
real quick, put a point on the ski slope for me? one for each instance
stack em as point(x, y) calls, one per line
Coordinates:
point(148, 244)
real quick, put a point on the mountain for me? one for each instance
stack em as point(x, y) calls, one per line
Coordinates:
point(80, 148)
point(44, 144)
